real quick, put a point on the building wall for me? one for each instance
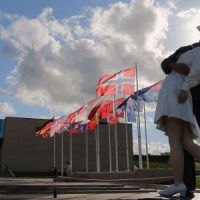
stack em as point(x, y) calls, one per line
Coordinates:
point(24, 152)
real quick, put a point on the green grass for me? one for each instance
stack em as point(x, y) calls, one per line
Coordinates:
point(197, 165)
point(161, 165)
point(198, 181)
point(155, 165)
point(198, 177)
point(167, 165)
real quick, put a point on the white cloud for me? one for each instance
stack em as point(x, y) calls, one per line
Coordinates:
point(59, 62)
point(6, 109)
point(172, 4)
point(188, 14)
point(190, 18)
point(183, 29)
point(154, 148)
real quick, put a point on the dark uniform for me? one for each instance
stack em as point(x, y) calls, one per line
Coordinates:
point(189, 164)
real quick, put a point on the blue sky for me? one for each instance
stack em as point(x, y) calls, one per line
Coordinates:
point(52, 52)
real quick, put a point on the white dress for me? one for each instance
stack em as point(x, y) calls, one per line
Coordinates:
point(168, 105)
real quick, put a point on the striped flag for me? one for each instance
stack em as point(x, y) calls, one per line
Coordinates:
point(118, 83)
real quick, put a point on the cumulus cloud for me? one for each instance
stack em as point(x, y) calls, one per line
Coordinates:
point(60, 61)
point(189, 20)
point(154, 148)
point(183, 29)
point(6, 109)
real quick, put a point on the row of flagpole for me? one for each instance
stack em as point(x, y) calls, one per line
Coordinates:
point(97, 150)
point(115, 139)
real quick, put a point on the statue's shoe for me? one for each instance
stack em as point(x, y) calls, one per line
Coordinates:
point(174, 189)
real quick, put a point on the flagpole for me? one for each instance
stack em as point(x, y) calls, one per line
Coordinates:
point(62, 155)
point(96, 149)
point(146, 139)
point(127, 146)
point(98, 145)
point(71, 150)
point(109, 141)
point(138, 123)
point(54, 148)
point(116, 140)
point(54, 151)
point(132, 144)
point(86, 152)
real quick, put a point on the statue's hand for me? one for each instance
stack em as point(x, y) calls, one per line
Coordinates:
point(182, 97)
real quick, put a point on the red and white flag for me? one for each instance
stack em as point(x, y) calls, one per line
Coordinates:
point(118, 83)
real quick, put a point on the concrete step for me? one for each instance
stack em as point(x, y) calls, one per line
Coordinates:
point(149, 180)
point(139, 173)
point(77, 191)
point(35, 188)
point(70, 189)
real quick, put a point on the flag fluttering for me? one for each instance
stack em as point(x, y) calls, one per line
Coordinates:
point(151, 95)
point(118, 83)
point(45, 128)
point(85, 117)
point(131, 105)
point(105, 109)
point(59, 125)
point(136, 102)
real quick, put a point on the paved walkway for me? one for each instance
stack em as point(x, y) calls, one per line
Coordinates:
point(27, 189)
point(121, 196)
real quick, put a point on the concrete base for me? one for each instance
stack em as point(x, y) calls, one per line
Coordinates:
point(138, 176)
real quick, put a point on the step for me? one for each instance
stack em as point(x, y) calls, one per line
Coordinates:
point(9, 188)
point(58, 191)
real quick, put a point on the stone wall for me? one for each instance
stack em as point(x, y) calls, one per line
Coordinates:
point(22, 151)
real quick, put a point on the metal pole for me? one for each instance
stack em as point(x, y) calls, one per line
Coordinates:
point(54, 151)
point(132, 144)
point(146, 139)
point(86, 150)
point(116, 141)
point(138, 120)
point(71, 150)
point(97, 152)
point(98, 148)
point(110, 150)
point(62, 155)
point(127, 146)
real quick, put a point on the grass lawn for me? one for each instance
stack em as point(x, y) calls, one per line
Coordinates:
point(155, 165)
point(198, 181)
point(167, 165)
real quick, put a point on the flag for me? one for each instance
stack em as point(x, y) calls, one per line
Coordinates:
point(82, 128)
point(106, 108)
point(131, 116)
point(82, 114)
point(44, 129)
point(135, 104)
point(93, 123)
point(151, 95)
point(131, 103)
point(73, 128)
point(59, 125)
point(118, 83)
point(148, 94)
point(113, 120)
